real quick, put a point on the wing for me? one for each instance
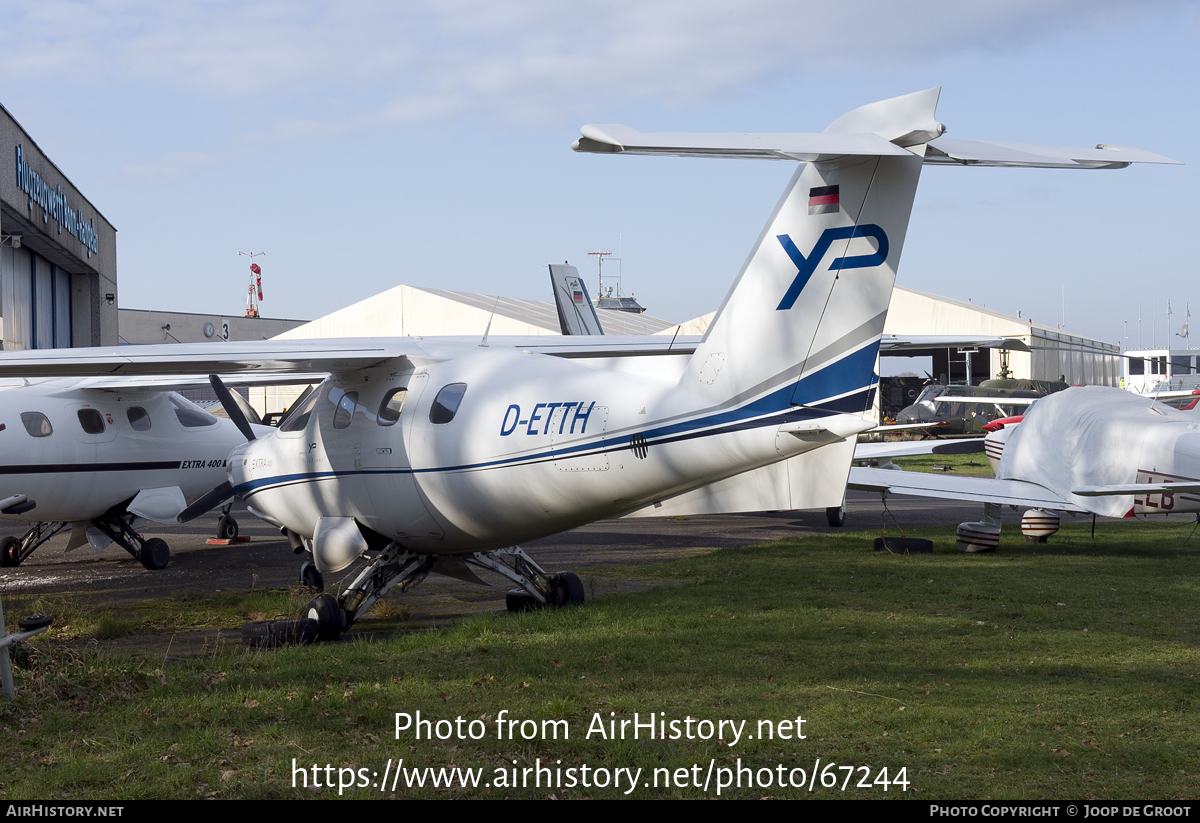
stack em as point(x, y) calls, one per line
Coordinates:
point(879, 451)
point(957, 487)
point(258, 356)
point(905, 342)
point(305, 360)
point(1177, 487)
point(973, 398)
point(160, 382)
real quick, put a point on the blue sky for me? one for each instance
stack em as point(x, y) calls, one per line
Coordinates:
point(366, 144)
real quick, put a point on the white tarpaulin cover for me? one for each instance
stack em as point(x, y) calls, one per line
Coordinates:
point(1089, 436)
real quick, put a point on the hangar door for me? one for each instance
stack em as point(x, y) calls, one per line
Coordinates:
point(35, 301)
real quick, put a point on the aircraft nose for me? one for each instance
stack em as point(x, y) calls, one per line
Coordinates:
point(239, 464)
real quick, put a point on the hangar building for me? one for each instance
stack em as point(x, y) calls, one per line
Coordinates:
point(143, 326)
point(409, 310)
point(1053, 353)
point(1080, 360)
point(58, 253)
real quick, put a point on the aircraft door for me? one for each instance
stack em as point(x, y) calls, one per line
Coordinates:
point(400, 511)
point(90, 423)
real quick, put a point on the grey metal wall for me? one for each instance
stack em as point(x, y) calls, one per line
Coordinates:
point(58, 256)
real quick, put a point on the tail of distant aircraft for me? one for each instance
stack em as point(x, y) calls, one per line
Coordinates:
point(576, 314)
point(802, 323)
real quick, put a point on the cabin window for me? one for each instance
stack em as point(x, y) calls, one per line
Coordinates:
point(297, 420)
point(139, 418)
point(445, 405)
point(92, 421)
point(189, 415)
point(393, 403)
point(37, 424)
point(344, 412)
point(1137, 366)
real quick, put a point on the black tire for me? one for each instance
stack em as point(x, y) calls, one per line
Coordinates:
point(34, 621)
point(154, 554)
point(329, 614)
point(311, 577)
point(569, 589)
point(10, 552)
point(835, 516)
point(903, 545)
point(227, 528)
point(519, 600)
point(268, 634)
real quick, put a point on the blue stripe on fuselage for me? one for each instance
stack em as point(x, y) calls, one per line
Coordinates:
point(852, 372)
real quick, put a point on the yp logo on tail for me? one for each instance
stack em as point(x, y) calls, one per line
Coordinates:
point(805, 266)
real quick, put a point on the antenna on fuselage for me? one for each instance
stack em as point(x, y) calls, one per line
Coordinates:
point(483, 343)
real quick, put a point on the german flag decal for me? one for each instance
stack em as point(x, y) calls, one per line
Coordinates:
point(823, 200)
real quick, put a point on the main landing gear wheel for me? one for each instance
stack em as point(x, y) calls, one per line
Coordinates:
point(330, 616)
point(311, 577)
point(835, 516)
point(227, 528)
point(569, 589)
point(154, 554)
point(10, 552)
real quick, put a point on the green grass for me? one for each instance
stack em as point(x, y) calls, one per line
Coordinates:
point(1066, 670)
point(80, 617)
point(973, 464)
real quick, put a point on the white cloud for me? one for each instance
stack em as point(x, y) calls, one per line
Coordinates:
point(437, 60)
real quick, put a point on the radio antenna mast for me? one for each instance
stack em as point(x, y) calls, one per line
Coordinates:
point(254, 293)
point(600, 255)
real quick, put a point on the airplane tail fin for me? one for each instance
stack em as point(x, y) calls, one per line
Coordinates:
point(576, 314)
point(802, 323)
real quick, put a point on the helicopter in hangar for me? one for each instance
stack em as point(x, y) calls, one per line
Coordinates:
point(99, 456)
point(420, 455)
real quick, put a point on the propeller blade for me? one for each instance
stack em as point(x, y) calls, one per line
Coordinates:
point(232, 408)
point(207, 502)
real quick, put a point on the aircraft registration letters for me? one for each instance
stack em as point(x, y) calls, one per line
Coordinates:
point(513, 422)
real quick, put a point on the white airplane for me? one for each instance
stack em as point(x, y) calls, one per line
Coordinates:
point(422, 455)
point(101, 456)
point(1084, 450)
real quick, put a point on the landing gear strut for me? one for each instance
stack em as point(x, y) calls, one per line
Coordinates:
point(13, 550)
point(397, 567)
point(154, 553)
